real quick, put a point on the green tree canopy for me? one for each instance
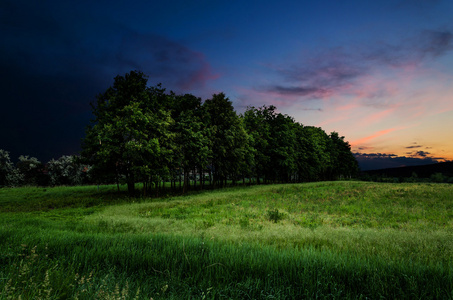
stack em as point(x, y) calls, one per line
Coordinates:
point(191, 135)
point(229, 140)
point(142, 133)
point(128, 130)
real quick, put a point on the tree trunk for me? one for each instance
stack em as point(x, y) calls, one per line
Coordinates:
point(194, 179)
point(117, 178)
point(210, 178)
point(179, 180)
point(157, 183)
point(144, 188)
point(186, 179)
point(131, 187)
point(201, 178)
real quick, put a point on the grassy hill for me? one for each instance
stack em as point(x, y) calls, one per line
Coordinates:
point(314, 240)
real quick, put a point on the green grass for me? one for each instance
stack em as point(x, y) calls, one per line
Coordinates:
point(316, 240)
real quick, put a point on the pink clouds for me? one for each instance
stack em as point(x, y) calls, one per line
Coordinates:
point(369, 93)
point(364, 140)
point(344, 71)
point(377, 117)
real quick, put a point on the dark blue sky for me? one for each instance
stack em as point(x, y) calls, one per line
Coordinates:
point(378, 72)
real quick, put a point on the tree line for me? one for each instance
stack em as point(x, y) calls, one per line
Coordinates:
point(144, 134)
point(29, 171)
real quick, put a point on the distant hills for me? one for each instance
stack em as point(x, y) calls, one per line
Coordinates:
point(423, 171)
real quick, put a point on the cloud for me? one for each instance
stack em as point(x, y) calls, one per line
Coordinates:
point(435, 43)
point(339, 70)
point(318, 76)
point(412, 147)
point(374, 155)
point(364, 140)
point(300, 91)
point(422, 153)
point(164, 60)
point(257, 97)
point(365, 148)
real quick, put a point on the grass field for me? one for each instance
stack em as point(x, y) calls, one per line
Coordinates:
point(334, 240)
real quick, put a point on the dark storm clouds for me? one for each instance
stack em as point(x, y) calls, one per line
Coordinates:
point(55, 59)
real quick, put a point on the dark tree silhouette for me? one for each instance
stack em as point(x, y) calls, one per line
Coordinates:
point(142, 133)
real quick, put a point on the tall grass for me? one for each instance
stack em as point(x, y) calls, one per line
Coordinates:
point(321, 240)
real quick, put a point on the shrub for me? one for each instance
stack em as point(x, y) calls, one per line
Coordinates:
point(274, 215)
point(437, 177)
point(9, 175)
point(31, 171)
point(65, 171)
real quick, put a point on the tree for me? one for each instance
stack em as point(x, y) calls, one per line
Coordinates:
point(228, 138)
point(30, 171)
point(259, 132)
point(141, 133)
point(8, 173)
point(344, 163)
point(306, 158)
point(191, 136)
point(273, 136)
point(126, 134)
point(65, 171)
point(317, 153)
point(282, 147)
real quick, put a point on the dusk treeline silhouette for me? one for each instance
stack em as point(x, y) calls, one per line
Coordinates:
point(144, 134)
point(438, 172)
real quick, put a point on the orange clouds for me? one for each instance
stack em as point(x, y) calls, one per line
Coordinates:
point(364, 140)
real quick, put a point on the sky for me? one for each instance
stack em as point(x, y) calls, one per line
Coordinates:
point(380, 73)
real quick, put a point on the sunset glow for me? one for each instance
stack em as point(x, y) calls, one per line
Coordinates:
point(379, 73)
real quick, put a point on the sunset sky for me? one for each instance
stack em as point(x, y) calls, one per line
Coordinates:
point(379, 73)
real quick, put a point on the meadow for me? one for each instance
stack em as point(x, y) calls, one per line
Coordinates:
point(334, 240)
